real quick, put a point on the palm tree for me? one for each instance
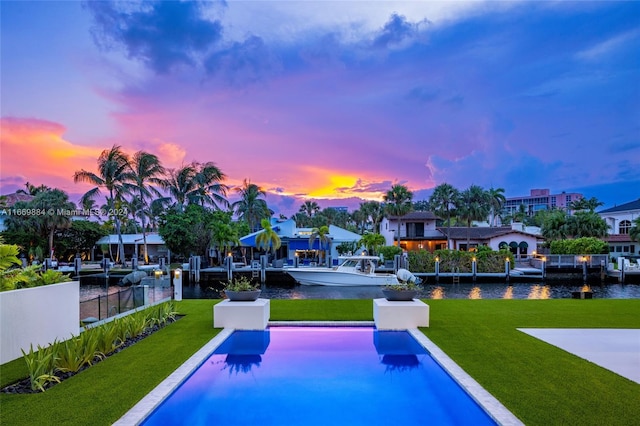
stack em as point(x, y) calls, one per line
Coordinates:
point(374, 211)
point(473, 205)
point(322, 235)
point(180, 185)
point(310, 208)
point(197, 183)
point(583, 204)
point(587, 224)
point(554, 226)
point(398, 203)
point(113, 172)
point(57, 203)
point(250, 207)
point(268, 239)
point(146, 173)
point(33, 190)
point(496, 200)
point(521, 214)
point(208, 186)
point(443, 202)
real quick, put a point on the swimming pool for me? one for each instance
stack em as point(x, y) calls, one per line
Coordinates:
point(319, 375)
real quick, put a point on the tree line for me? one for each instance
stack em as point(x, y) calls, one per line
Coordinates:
point(142, 195)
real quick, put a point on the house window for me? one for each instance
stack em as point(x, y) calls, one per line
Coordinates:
point(415, 229)
point(625, 226)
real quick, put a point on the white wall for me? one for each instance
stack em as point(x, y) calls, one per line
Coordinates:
point(37, 316)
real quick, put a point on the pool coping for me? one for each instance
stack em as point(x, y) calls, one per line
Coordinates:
point(153, 399)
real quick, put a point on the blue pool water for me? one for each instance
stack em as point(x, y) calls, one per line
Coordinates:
point(319, 376)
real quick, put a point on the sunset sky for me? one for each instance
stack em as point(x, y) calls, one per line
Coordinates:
point(328, 100)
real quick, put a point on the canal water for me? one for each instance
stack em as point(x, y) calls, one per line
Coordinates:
point(211, 288)
point(538, 290)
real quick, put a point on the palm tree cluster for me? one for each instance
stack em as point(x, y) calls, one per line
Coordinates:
point(136, 186)
point(473, 204)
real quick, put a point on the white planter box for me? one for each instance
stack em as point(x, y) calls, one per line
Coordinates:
point(37, 316)
point(400, 315)
point(242, 315)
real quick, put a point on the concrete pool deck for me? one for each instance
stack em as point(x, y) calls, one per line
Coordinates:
point(617, 350)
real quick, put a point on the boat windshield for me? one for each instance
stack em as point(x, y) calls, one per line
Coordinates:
point(350, 263)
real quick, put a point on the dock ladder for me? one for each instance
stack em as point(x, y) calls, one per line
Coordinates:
point(255, 269)
point(456, 275)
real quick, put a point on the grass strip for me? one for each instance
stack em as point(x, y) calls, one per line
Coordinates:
point(103, 393)
point(541, 384)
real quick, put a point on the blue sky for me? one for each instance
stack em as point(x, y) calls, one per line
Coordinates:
point(327, 100)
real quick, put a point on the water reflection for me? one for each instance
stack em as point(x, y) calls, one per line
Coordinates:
point(400, 363)
point(508, 293)
point(241, 363)
point(437, 293)
point(514, 290)
point(475, 293)
point(539, 292)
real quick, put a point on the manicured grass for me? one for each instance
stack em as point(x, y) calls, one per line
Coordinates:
point(541, 384)
point(104, 392)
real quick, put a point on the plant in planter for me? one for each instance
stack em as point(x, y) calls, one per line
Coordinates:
point(241, 289)
point(400, 292)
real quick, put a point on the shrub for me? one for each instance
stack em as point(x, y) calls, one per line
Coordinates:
point(388, 252)
point(585, 245)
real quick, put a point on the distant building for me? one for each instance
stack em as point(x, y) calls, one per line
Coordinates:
point(540, 199)
point(620, 221)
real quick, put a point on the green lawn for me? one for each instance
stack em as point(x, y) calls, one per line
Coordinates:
point(541, 384)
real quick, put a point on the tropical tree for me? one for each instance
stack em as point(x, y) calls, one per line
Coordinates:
point(223, 233)
point(180, 184)
point(59, 211)
point(310, 208)
point(302, 220)
point(496, 200)
point(472, 205)
point(79, 239)
point(634, 232)
point(113, 172)
point(187, 233)
point(33, 190)
point(554, 226)
point(197, 183)
point(55, 214)
point(323, 237)
point(443, 201)
point(398, 203)
point(209, 188)
point(268, 239)
point(146, 173)
point(421, 206)
point(250, 207)
point(587, 224)
point(584, 204)
point(372, 242)
point(360, 219)
point(374, 211)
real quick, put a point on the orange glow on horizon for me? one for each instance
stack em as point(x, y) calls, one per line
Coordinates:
point(36, 150)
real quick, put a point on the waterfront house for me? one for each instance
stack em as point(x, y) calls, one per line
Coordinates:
point(420, 231)
point(295, 241)
point(620, 221)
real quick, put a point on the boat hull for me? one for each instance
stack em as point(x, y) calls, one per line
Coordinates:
point(330, 277)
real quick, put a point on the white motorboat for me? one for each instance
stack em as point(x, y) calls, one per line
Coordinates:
point(353, 271)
